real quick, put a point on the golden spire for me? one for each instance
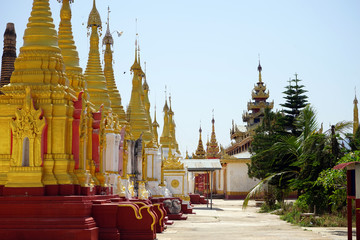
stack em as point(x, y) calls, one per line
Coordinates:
point(114, 94)
point(136, 65)
point(143, 76)
point(356, 115)
point(94, 76)
point(68, 49)
point(94, 17)
point(200, 152)
point(165, 136)
point(40, 49)
point(146, 102)
point(136, 110)
point(155, 126)
point(172, 126)
point(213, 147)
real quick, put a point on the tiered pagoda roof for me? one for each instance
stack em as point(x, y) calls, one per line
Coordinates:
point(256, 107)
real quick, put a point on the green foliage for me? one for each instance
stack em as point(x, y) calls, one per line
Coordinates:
point(301, 159)
point(294, 214)
point(334, 182)
point(266, 135)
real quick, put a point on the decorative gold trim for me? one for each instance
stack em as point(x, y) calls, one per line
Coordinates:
point(238, 160)
point(139, 217)
point(152, 179)
point(236, 193)
point(162, 214)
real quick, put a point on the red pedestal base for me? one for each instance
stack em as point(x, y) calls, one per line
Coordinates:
point(47, 217)
point(51, 190)
point(178, 216)
point(66, 190)
point(23, 191)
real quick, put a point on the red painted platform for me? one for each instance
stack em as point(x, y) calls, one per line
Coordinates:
point(47, 217)
point(179, 216)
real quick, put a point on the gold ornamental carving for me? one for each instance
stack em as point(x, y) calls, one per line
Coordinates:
point(175, 183)
point(27, 128)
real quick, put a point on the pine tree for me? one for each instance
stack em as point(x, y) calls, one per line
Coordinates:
point(295, 101)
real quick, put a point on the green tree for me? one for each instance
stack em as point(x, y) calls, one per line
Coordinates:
point(295, 162)
point(295, 101)
point(268, 133)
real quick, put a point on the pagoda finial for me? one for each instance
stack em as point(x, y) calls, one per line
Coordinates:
point(155, 114)
point(145, 84)
point(155, 126)
point(356, 115)
point(136, 65)
point(259, 69)
point(170, 111)
point(213, 147)
point(108, 39)
point(94, 17)
point(213, 119)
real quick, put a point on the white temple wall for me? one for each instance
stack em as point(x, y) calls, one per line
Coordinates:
point(176, 182)
point(111, 158)
point(165, 152)
point(152, 164)
point(191, 182)
point(238, 181)
point(108, 153)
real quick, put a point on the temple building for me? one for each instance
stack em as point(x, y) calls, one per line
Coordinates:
point(235, 158)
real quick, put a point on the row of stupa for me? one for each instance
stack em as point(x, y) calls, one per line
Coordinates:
point(66, 132)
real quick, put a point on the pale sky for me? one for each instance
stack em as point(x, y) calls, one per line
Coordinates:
point(206, 52)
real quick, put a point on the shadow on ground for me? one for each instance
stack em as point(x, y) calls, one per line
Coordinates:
point(217, 209)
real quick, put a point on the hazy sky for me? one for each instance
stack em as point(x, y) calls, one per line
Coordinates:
point(206, 52)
